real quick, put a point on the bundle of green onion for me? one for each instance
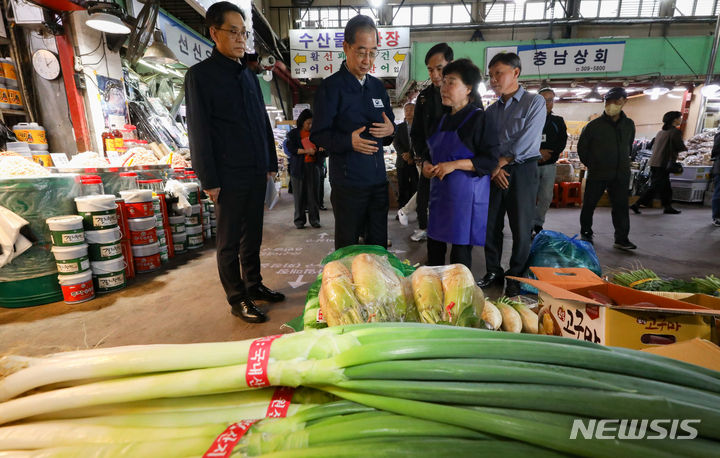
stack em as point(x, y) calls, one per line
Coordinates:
point(386, 389)
point(647, 280)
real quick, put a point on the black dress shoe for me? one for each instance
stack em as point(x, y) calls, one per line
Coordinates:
point(671, 211)
point(492, 279)
point(513, 288)
point(316, 225)
point(248, 311)
point(627, 245)
point(323, 207)
point(261, 292)
point(635, 208)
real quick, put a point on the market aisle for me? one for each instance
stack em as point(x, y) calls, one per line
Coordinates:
point(185, 302)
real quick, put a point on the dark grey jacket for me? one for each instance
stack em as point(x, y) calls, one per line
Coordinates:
point(604, 147)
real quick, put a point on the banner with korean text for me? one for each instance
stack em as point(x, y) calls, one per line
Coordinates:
point(564, 58)
point(319, 53)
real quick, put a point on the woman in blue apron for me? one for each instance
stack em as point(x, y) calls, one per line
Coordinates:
point(463, 154)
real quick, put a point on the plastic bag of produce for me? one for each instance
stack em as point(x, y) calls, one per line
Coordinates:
point(447, 294)
point(555, 249)
point(397, 295)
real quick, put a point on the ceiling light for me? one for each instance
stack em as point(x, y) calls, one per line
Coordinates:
point(659, 87)
point(107, 17)
point(158, 52)
point(593, 96)
point(375, 3)
point(711, 88)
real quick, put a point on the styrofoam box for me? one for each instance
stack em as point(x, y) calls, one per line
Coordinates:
point(688, 191)
point(693, 173)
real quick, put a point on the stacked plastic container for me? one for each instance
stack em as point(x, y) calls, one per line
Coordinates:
point(213, 221)
point(179, 236)
point(99, 218)
point(71, 257)
point(207, 228)
point(142, 225)
point(193, 223)
point(160, 228)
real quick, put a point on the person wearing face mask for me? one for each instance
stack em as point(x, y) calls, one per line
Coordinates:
point(604, 147)
point(462, 153)
point(668, 143)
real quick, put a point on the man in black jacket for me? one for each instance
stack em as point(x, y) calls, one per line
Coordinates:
point(554, 139)
point(428, 111)
point(233, 153)
point(407, 172)
point(353, 121)
point(604, 147)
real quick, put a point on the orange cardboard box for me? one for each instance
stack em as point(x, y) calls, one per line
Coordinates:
point(570, 306)
point(696, 351)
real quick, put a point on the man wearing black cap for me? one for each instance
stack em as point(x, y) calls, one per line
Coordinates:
point(604, 147)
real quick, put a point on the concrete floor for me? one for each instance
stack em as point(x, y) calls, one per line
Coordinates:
point(185, 302)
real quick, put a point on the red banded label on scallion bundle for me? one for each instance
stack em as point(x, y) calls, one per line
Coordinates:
point(280, 402)
point(258, 357)
point(223, 445)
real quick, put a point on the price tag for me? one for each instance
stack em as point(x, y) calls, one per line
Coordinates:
point(59, 159)
point(113, 157)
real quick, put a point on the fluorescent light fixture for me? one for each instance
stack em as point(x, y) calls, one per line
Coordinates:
point(161, 69)
point(376, 3)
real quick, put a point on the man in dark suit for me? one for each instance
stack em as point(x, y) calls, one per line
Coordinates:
point(233, 153)
point(407, 172)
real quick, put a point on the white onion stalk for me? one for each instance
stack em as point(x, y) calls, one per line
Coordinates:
point(53, 434)
point(142, 359)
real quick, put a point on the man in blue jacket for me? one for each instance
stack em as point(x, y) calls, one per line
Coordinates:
point(233, 153)
point(353, 120)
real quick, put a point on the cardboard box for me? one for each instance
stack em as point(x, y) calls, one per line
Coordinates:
point(696, 351)
point(571, 306)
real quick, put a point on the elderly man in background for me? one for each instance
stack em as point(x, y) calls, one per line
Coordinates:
point(604, 147)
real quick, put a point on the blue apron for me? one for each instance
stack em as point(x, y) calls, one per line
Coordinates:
point(459, 202)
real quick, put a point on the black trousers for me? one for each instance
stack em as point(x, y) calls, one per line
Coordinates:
point(659, 185)
point(618, 191)
point(360, 211)
point(321, 173)
point(239, 214)
point(459, 254)
point(518, 202)
point(422, 199)
point(305, 196)
point(407, 183)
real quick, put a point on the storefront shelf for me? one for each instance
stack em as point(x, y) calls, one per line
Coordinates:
point(13, 112)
